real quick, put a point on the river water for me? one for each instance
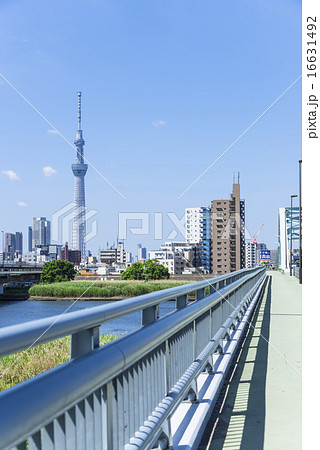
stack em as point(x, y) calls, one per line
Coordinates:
point(14, 312)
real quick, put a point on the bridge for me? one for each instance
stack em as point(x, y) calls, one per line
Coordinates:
point(221, 371)
point(18, 272)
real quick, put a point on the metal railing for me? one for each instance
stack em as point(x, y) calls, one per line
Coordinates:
point(122, 394)
point(20, 267)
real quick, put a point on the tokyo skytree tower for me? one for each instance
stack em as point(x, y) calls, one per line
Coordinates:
point(79, 170)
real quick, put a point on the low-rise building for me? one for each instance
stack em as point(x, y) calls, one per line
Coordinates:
point(274, 258)
point(113, 255)
point(261, 246)
point(175, 256)
point(92, 259)
point(89, 270)
point(29, 258)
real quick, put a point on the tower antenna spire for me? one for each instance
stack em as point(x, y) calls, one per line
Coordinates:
point(79, 110)
point(79, 170)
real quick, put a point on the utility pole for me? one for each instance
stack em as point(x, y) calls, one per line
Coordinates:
point(300, 226)
point(292, 196)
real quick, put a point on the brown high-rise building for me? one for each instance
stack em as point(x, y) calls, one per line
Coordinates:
point(228, 229)
point(73, 256)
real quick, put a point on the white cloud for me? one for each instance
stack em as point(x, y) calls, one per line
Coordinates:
point(158, 123)
point(52, 131)
point(11, 174)
point(48, 171)
point(22, 204)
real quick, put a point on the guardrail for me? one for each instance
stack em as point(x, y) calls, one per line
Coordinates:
point(121, 395)
point(4, 268)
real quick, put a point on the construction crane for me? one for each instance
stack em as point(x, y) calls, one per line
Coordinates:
point(255, 237)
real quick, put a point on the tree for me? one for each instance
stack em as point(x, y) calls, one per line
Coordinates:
point(133, 272)
point(153, 270)
point(56, 271)
point(149, 270)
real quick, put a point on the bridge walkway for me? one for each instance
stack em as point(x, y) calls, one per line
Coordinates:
point(260, 405)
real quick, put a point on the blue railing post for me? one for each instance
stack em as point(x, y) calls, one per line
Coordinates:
point(84, 341)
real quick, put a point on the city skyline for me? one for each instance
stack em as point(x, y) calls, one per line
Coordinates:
point(152, 128)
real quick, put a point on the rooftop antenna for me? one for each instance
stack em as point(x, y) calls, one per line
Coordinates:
point(79, 111)
point(238, 177)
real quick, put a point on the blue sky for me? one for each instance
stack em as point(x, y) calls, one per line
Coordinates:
point(167, 86)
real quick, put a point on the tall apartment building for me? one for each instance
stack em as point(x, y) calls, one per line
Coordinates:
point(251, 254)
point(73, 256)
point(228, 232)
point(142, 253)
point(198, 234)
point(13, 244)
point(121, 253)
point(41, 232)
point(29, 239)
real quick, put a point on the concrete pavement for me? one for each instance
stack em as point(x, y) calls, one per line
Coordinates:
point(260, 407)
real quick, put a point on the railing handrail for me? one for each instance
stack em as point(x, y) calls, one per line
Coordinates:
point(83, 375)
point(18, 337)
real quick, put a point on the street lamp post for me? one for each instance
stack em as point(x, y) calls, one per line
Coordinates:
point(300, 226)
point(292, 196)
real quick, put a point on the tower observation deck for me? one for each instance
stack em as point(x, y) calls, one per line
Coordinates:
point(79, 170)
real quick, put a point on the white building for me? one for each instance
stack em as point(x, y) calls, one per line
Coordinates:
point(128, 257)
point(251, 254)
point(198, 232)
point(107, 256)
point(175, 256)
point(29, 257)
point(193, 226)
point(41, 254)
point(286, 218)
point(121, 253)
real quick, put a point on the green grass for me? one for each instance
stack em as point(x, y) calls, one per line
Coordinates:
point(101, 289)
point(26, 364)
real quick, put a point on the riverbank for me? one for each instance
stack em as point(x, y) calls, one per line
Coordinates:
point(39, 298)
point(114, 290)
point(24, 365)
point(15, 296)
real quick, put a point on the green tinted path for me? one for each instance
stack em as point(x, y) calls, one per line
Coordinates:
point(261, 406)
